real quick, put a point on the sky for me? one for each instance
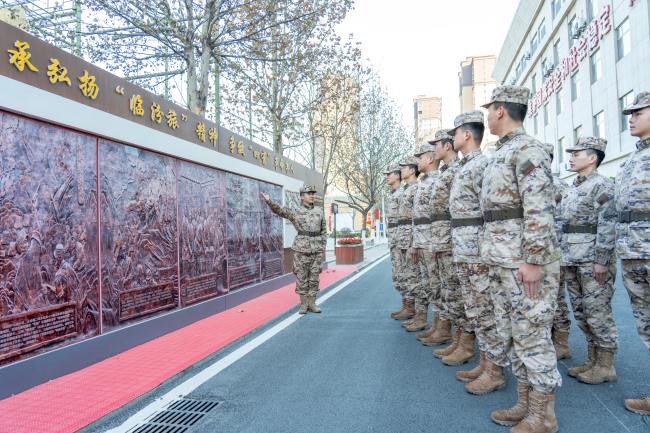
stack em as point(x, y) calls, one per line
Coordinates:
point(416, 46)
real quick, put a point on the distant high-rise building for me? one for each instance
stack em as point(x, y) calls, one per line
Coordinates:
point(427, 112)
point(476, 85)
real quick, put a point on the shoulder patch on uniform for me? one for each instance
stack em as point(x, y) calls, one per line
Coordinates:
point(527, 168)
point(604, 198)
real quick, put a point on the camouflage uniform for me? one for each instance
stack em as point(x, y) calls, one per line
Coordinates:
point(422, 236)
point(408, 270)
point(467, 228)
point(309, 244)
point(589, 217)
point(517, 205)
point(561, 321)
point(392, 222)
point(449, 301)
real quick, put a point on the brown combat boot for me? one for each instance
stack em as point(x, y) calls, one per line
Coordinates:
point(419, 322)
point(408, 311)
point(449, 349)
point(311, 304)
point(304, 305)
point(474, 373)
point(561, 343)
point(428, 332)
point(401, 310)
point(514, 415)
point(602, 371)
point(588, 364)
point(638, 405)
point(442, 333)
point(541, 415)
point(464, 351)
point(491, 379)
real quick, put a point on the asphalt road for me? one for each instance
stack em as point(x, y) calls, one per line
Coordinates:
point(353, 369)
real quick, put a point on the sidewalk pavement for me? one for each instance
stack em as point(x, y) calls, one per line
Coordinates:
point(370, 254)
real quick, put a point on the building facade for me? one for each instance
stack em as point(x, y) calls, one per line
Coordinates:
point(583, 60)
point(476, 83)
point(427, 117)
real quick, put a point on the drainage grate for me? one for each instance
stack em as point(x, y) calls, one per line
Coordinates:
point(179, 416)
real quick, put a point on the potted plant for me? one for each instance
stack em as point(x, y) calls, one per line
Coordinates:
point(349, 249)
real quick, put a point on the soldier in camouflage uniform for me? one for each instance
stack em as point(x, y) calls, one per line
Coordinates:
point(520, 247)
point(467, 228)
point(420, 251)
point(561, 321)
point(394, 180)
point(308, 246)
point(461, 350)
point(588, 264)
point(408, 271)
point(633, 227)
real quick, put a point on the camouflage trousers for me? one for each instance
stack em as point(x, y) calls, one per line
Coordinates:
point(395, 267)
point(429, 290)
point(636, 277)
point(524, 325)
point(592, 304)
point(561, 321)
point(306, 268)
point(479, 310)
point(451, 297)
point(408, 275)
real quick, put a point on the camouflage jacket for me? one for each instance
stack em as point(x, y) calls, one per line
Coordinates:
point(465, 202)
point(421, 209)
point(633, 195)
point(517, 180)
point(559, 188)
point(588, 205)
point(392, 214)
point(405, 232)
point(441, 229)
point(310, 224)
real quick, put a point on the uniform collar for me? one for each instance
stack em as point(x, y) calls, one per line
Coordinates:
point(581, 179)
point(308, 206)
point(643, 144)
point(467, 158)
point(509, 136)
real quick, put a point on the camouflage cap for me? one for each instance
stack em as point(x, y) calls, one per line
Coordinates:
point(424, 148)
point(392, 168)
point(589, 143)
point(409, 161)
point(307, 188)
point(514, 94)
point(442, 134)
point(469, 117)
point(642, 100)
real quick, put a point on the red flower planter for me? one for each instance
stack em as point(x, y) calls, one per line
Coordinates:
point(349, 254)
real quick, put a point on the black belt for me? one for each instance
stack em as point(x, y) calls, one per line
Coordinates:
point(582, 228)
point(392, 225)
point(630, 216)
point(310, 234)
point(421, 221)
point(466, 222)
point(504, 214)
point(404, 222)
point(441, 217)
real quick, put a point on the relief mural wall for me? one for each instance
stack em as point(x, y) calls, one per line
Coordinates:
point(173, 233)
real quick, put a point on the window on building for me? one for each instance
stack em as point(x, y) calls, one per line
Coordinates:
point(544, 67)
point(559, 103)
point(556, 52)
point(556, 6)
point(622, 103)
point(599, 125)
point(575, 87)
point(546, 114)
point(541, 31)
point(596, 66)
point(533, 84)
point(577, 133)
point(534, 42)
point(561, 145)
point(535, 124)
point(571, 28)
point(623, 39)
point(592, 9)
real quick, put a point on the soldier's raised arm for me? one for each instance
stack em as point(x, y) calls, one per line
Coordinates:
point(279, 210)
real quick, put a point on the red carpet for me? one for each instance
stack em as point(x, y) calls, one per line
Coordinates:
point(72, 402)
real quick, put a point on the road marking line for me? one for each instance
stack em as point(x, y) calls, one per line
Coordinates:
point(217, 367)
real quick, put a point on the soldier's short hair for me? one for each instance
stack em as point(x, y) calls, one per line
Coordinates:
point(476, 129)
point(414, 167)
point(517, 112)
point(600, 155)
